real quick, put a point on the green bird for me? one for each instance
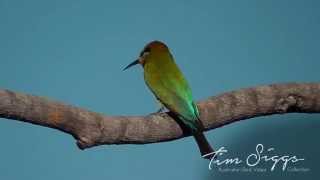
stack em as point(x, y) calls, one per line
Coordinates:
point(167, 83)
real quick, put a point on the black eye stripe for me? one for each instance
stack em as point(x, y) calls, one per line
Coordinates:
point(144, 51)
point(147, 50)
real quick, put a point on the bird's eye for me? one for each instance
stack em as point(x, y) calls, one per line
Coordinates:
point(145, 52)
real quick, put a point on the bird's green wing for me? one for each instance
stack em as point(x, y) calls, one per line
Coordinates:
point(173, 91)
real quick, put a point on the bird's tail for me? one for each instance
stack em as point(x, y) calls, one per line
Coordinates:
point(205, 149)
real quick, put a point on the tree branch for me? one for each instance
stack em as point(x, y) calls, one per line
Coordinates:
point(92, 129)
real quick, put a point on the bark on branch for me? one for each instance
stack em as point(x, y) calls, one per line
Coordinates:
point(92, 129)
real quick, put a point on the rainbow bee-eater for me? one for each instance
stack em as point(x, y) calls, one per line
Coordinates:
point(167, 83)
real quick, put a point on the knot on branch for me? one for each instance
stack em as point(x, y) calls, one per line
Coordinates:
point(288, 104)
point(84, 143)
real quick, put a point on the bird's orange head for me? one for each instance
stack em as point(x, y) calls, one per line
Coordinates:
point(153, 48)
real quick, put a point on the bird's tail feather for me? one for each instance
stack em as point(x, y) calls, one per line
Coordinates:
point(206, 150)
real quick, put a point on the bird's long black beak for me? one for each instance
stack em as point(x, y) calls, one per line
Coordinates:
point(132, 64)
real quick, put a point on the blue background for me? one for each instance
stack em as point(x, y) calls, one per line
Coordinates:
point(74, 51)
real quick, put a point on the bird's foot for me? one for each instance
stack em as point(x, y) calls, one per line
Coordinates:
point(161, 110)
